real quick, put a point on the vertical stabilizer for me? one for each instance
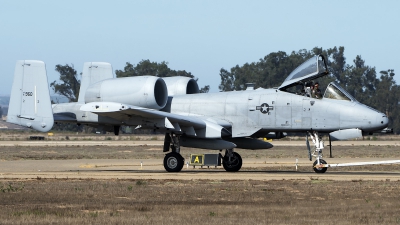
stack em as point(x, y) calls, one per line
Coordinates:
point(93, 72)
point(30, 104)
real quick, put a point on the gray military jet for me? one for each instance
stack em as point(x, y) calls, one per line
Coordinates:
point(224, 120)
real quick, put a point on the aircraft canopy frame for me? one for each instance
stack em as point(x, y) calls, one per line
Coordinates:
point(335, 91)
point(311, 69)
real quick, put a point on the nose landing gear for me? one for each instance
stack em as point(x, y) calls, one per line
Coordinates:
point(319, 145)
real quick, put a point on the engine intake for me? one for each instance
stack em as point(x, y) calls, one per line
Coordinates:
point(144, 91)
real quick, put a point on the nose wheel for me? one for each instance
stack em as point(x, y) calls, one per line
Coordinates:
point(318, 169)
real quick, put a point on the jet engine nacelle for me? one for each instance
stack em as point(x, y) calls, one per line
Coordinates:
point(345, 134)
point(181, 85)
point(144, 91)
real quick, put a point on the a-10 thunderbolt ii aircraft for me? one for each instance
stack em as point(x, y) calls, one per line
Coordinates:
point(224, 120)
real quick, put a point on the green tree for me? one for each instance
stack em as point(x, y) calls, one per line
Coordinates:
point(69, 86)
point(386, 98)
point(146, 67)
point(227, 80)
point(205, 89)
point(360, 80)
point(273, 69)
point(268, 72)
point(337, 63)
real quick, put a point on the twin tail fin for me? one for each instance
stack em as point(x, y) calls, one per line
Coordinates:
point(30, 104)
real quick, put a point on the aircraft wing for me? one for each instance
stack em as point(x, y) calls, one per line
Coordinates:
point(190, 125)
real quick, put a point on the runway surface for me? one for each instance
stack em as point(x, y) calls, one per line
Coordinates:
point(153, 169)
point(160, 143)
point(253, 169)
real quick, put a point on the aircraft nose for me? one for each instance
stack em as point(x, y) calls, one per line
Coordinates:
point(370, 119)
point(381, 121)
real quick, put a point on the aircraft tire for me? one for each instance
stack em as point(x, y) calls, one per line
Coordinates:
point(116, 130)
point(233, 165)
point(319, 170)
point(173, 162)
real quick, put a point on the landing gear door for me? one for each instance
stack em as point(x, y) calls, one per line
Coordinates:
point(302, 112)
point(252, 113)
point(307, 112)
point(266, 110)
point(283, 107)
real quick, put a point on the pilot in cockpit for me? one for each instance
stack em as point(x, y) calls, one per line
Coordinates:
point(316, 92)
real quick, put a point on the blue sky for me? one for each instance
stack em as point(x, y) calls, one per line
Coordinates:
point(197, 36)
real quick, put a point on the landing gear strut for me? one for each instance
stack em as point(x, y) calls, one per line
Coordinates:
point(319, 145)
point(173, 161)
point(232, 161)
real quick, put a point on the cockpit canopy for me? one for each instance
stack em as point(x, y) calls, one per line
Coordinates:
point(335, 91)
point(311, 69)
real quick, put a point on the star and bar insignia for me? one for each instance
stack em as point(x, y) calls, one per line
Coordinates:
point(264, 108)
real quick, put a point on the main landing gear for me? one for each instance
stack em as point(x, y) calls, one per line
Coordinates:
point(174, 162)
point(319, 145)
point(232, 161)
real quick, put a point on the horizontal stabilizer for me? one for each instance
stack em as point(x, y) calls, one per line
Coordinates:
point(30, 104)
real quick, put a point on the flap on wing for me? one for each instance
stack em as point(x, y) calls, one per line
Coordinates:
point(240, 131)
